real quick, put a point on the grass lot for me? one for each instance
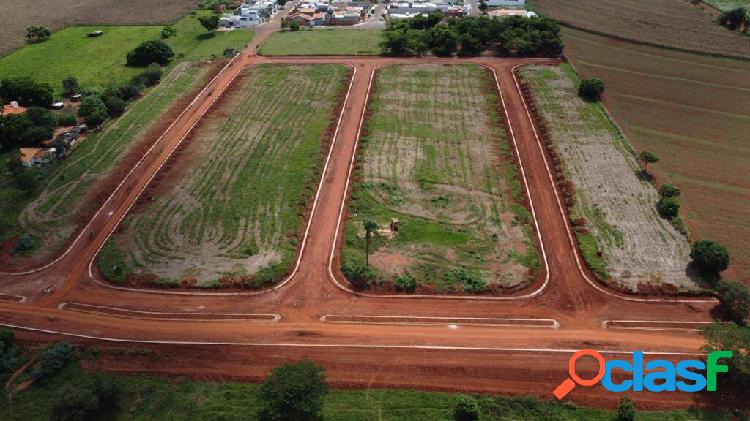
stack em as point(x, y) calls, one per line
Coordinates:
point(235, 208)
point(153, 398)
point(323, 42)
point(692, 111)
point(729, 4)
point(437, 159)
point(619, 207)
point(659, 22)
point(99, 61)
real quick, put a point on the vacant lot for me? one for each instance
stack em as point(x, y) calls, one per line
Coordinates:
point(323, 42)
point(692, 111)
point(233, 209)
point(437, 159)
point(17, 15)
point(101, 60)
point(636, 245)
point(672, 23)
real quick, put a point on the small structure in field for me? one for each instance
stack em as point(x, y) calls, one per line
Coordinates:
point(95, 34)
point(12, 108)
point(36, 157)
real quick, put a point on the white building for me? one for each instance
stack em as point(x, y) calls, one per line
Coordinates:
point(505, 3)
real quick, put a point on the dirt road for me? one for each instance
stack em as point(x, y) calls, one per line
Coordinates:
point(446, 355)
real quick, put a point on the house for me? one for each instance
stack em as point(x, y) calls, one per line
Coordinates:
point(12, 108)
point(347, 17)
point(518, 4)
point(504, 13)
point(36, 157)
point(310, 20)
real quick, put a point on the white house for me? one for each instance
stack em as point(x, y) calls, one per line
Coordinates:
point(505, 3)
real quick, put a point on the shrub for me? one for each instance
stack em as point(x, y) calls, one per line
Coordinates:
point(153, 51)
point(9, 352)
point(93, 111)
point(115, 106)
point(67, 119)
point(24, 244)
point(471, 282)
point(591, 89)
point(668, 207)
point(625, 410)
point(53, 359)
point(466, 408)
point(168, 32)
point(129, 91)
point(210, 23)
point(70, 86)
point(293, 392)
point(25, 182)
point(405, 282)
point(668, 190)
point(357, 272)
point(734, 19)
point(84, 400)
point(735, 298)
point(36, 33)
point(151, 76)
point(294, 26)
point(709, 256)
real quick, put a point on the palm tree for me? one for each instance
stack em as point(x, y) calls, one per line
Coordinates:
point(370, 227)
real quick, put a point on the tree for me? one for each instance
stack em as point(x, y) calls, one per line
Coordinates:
point(370, 227)
point(482, 5)
point(210, 22)
point(669, 190)
point(115, 106)
point(405, 282)
point(294, 26)
point(293, 392)
point(53, 359)
point(151, 76)
point(648, 157)
point(466, 408)
point(153, 51)
point(625, 410)
point(357, 272)
point(93, 111)
point(591, 89)
point(70, 86)
point(284, 24)
point(470, 46)
point(168, 32)
point(709, 256)
point(735, 298)
point(84, 400)
point(668, 207)
point(442, 40)
point(36, 33)
point(731, 337)
point(9, 352)
point(735, 19)
point(26, 91)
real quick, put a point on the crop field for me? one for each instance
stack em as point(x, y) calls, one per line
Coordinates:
point(101, 60)
point(323, 42)
point(671, 23)
point(692, 111)
point(728, 4)
point(232, 212)
point(624, 240)
point(50, 214)
point(437, 158)
point(17, 15)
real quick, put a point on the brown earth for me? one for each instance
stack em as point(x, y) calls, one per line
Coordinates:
point(477, 358)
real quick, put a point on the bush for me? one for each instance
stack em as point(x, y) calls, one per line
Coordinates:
point(471, 282)
point(53, 359)
point(24, 244)
point(405, 282)
point(668, 190)
point(625, 410)
point(466, 408)
point(357, 272)
point(84, 401)
point(168, 32)
point(129, 91)
point(70, 86)
point(293, 392)
point(151, 76)
point(709, 256)
point(9, 352)
point(67, 119)
point(735, 298)
point(591, 89)
point(734, 19)
point(36, 33)
point(210, 23)
point(668, 207)
point(153, 51)
point(93, 111)
point(115, 106)
point(26, 182)
point(294, 26)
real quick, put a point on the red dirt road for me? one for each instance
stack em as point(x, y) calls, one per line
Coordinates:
point(512, 360)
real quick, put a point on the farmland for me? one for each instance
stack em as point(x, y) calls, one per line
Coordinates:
point(233, 209)
point(659, 22)
point(437, 159)
point(51, 212)
point(101, 60)
point(18, 15)
point(323, 42)
point(692, 111)
point(637, 246)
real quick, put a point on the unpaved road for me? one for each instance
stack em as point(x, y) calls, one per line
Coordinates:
point(514, 360)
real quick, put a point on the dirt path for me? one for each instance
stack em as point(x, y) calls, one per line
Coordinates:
point(481, 358)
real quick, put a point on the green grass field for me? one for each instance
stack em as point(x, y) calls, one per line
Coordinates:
point(101, 60)
point(49, 212)
point(437, 158)
point(323, 42)
point(235, 209)
point(729, 4)
point(153, 398)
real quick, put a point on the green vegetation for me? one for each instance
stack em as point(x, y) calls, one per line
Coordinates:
point(436, 158)
point(709, 256)
point(731, 337)
point(233, 216)
point(735, 299)
point(735, 20)
point(151, 51)
point(591, 89)
point(294, 391)
point(323, 42)
point(726, 5)
point(99, 61)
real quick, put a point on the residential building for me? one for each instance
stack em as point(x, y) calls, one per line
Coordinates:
point(36, 157)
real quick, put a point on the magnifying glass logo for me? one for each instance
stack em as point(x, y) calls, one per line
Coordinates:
point(570, 383)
